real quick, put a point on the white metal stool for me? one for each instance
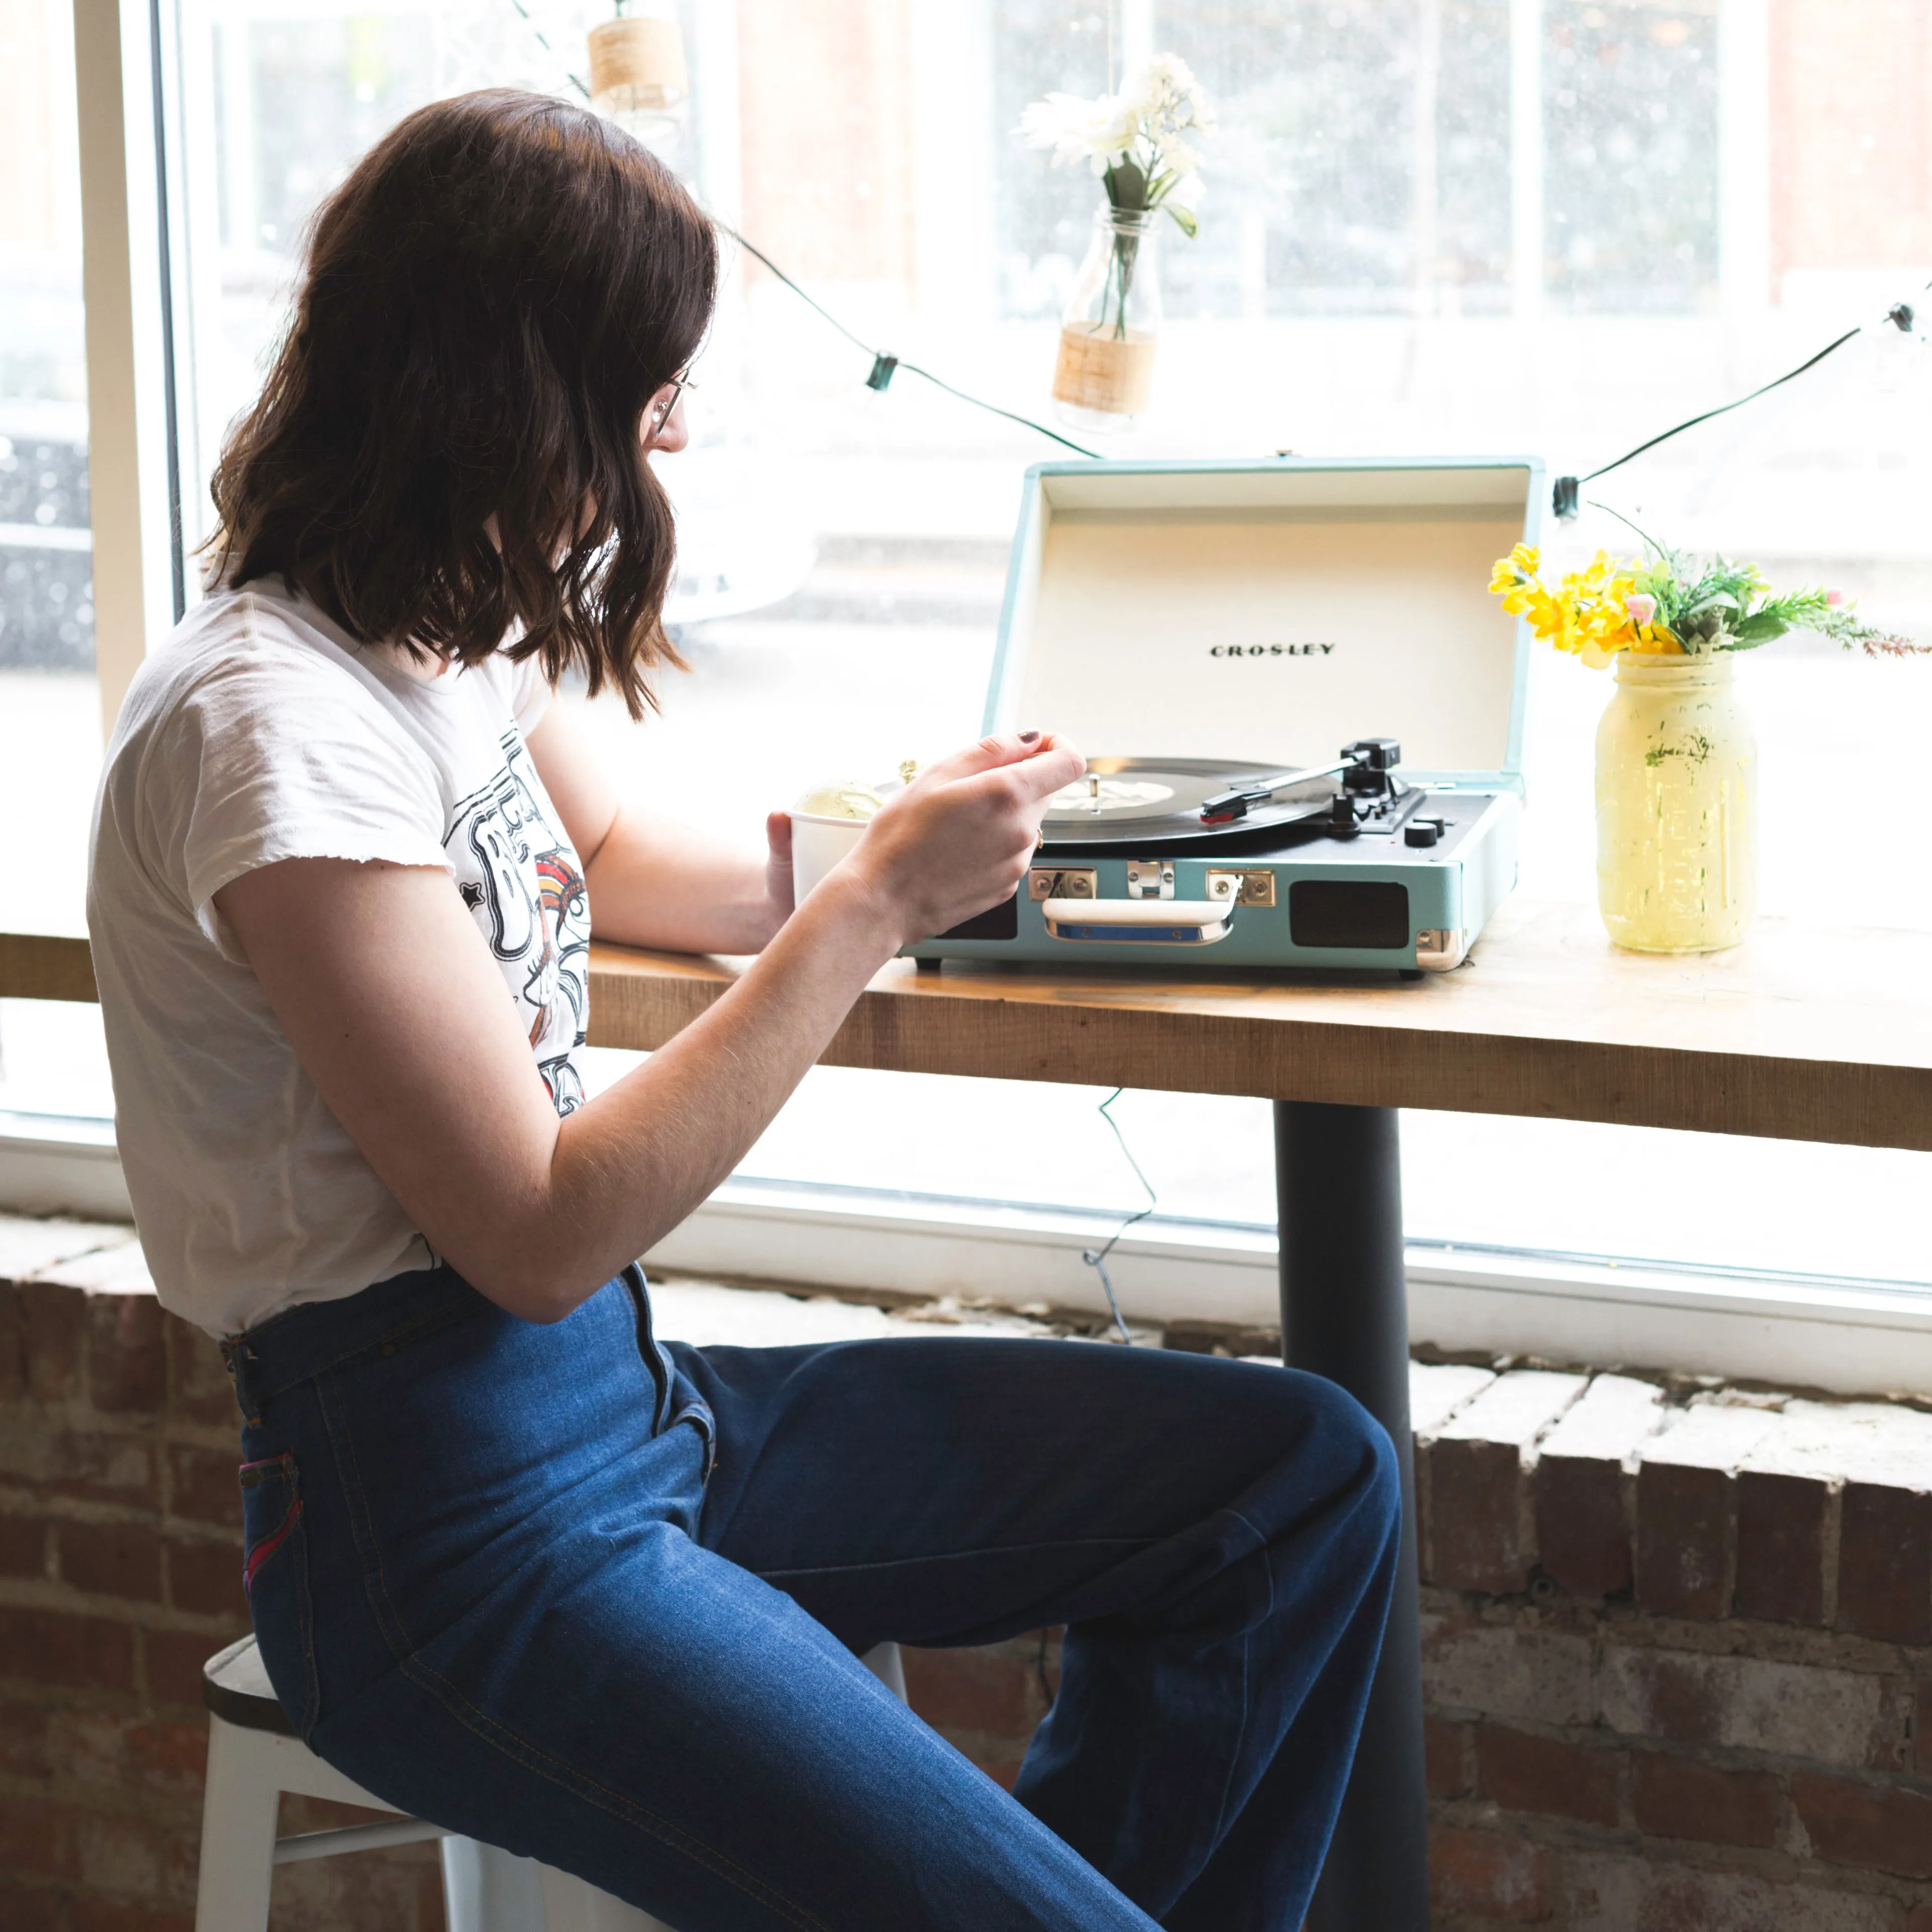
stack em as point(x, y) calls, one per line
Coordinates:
point(254, 1756)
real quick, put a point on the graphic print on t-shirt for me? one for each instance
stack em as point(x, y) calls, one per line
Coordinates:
point(518, 875)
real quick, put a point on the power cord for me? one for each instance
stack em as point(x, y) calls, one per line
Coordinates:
point(1095, 1259)
point(885, 366)
point(1564, 497)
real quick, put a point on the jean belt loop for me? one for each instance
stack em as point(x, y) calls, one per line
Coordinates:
point(235, 1356)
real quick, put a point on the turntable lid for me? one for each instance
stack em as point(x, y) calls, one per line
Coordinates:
point(1271, 611)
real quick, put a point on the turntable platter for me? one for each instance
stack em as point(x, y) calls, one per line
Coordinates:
point(1130, 800)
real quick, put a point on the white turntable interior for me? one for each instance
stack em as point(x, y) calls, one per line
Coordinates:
point(1270, 614)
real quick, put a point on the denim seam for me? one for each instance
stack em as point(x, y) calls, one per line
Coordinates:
point(970, 1556)
point(419, 1330)
point(673, 1836)
point(1247, 1639)
point(519, 1748)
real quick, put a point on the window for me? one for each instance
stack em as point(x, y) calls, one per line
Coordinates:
point(1431, 226)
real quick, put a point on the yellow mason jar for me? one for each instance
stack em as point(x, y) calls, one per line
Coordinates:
point(1676, 805)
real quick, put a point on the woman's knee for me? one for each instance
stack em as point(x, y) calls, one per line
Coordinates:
point(1340, 1453)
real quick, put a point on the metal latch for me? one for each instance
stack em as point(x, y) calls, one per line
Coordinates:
point(1055, 882)
point(1149, 878)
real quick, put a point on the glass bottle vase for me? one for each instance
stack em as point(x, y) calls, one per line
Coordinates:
point(1110, 326)
point(1676, 806)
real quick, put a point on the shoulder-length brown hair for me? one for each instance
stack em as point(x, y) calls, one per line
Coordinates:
point(491, 300)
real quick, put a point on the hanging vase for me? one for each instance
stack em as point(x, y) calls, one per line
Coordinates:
point(638, 76)
point(1676, 805)
point(1110, 326)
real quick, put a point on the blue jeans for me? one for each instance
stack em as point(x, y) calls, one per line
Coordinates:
point(596, 1599)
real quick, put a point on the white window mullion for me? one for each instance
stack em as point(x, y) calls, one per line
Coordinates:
point(130, 461)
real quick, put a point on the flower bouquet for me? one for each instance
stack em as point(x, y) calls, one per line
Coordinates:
point(1138, 142)
point(1676, 756)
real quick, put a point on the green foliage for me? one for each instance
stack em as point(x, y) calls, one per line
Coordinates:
point(1721, 606)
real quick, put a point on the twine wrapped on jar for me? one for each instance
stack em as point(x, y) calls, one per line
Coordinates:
point(1111, 327)
point(637, 65)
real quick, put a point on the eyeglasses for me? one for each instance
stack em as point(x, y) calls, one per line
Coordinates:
point(660, 412)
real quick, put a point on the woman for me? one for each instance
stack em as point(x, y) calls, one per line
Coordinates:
point(515, 1565)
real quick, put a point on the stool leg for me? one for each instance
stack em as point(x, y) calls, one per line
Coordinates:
point(488, 1889)
point(238, 1835)
point(885, 1664)
point(570, 1905)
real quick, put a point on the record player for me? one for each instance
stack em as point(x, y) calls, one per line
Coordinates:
point(1302, 712)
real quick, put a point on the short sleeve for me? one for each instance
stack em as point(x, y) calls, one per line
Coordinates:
point(529, 692)
point(276, 755)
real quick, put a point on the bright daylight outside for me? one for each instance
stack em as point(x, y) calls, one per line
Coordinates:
point(1423, 227)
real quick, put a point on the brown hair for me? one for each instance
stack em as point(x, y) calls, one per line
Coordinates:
point(492, 299)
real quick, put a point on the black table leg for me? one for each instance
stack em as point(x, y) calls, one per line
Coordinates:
point(1345, 1315)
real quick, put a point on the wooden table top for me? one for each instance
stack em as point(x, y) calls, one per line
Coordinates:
point(1802, 1034)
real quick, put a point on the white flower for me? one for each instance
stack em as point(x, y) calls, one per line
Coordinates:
point(1077, 130)
point(1144, 122)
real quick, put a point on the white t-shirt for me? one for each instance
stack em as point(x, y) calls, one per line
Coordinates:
point(259, 732)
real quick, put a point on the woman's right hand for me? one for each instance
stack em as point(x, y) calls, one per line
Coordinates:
point(959, 839)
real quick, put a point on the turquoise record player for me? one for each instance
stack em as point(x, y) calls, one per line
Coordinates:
point(1301, 707)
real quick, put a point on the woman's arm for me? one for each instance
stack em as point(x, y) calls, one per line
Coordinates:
point(396, 1011)
point(652, 882)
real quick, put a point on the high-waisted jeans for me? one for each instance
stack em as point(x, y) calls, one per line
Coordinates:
point(596, 1599)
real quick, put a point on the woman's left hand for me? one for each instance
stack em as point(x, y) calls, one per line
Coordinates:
point(780, 892)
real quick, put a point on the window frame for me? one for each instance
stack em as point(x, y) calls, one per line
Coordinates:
point(136, 170)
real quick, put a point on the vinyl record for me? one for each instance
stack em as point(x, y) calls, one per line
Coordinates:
point(1133, 801)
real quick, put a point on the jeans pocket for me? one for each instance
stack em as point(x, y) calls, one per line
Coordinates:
point(275, 1576)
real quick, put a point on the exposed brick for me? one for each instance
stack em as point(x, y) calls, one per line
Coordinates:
point(1608, 1891)
point(104, 1748)
point(173, 1660)
point(91, 1465)
point(1582, 1538)
point(202, 1485)
point(37, 1909)
point(23, 1741)
point(1781, 1546)
point(1484, 1875)
point(1876, 1826)
point(1505, 1672)
point(1683, 1539)
point(1686, 1499)
point(127, 1367)
point(1523, 1773)
point(207, 1577)
point(975, 1690)
point(198, 1385)
point(122, 1856)
point(1582, 1527)
point(111, 1559)
point(1831, 1717)
point(23, 1546)
point(1679, 1798)
point(48, 1323)
point(54, 1647)
point(1442, 1743)
point(39, 1838)
point(103, 1915)
point(1481, 1534)
point(1885, 1564)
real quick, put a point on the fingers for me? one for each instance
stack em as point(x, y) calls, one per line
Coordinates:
point(1029, 782)
point(778, 836)
point(989, 754)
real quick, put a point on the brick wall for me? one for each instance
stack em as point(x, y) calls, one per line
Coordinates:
point(1678, 1640)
